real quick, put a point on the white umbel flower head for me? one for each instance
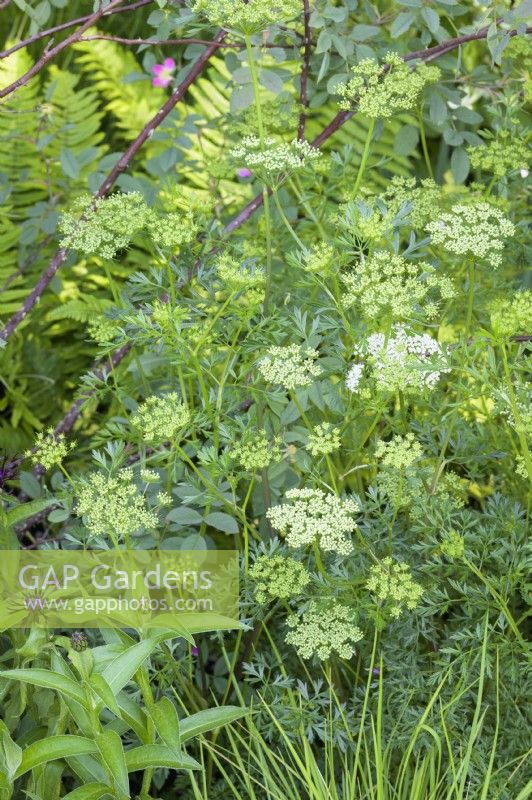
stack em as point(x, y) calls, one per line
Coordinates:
point(290, 366)
point(276, 159)
point(479, 230)
point(324, 629)
point(312, 515)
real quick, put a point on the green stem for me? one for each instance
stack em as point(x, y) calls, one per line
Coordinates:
point(470, 296)
point(284, 218)
point(525, 452)
point(265, 195)
point(365, 154)
point(424, 144)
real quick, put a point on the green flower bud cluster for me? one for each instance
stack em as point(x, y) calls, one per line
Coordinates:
point(276, 160)
point(512, 316)
point(398, 476)
point(102, 330)
point(50, 449)
point(426, 199)
point(290, 366)
point(114, 506)
point(278, 578)
point(246, 16)
point(324, 439)
point(104, 226)
point(312, 515)
point(392, 585)
point(324, 629)
point(384, 90)
point(320, 259)
point(256, 450)
point(238, 278)
point(478, 230)
point(500, 156)
point(387, 285)
point(159, 419)
point(107, 224)
point(452, 545)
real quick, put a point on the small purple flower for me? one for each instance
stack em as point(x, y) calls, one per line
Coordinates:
point(194, 651)
point(244, 173)
point(163, 73)
point(376, 671)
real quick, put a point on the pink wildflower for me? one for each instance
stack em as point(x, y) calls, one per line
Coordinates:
point(244, 173)
point(163, 73)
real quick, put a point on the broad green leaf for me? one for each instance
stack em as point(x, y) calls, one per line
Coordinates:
point(459, 164)
point(48, 680)
point(222, 522)
point(69, 163)
point(91, 791)
point(208, 720)
point(166, 721)
point(26, 510)
point(155, 755)
point(113, 758)
point(406, 140)
point(53, 747)
point(104, 692)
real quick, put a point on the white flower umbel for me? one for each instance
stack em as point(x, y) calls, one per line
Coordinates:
point(314, 516)
point(324, 629)
point(403, 362)
point(290, 366)
point(477, 230)
point(276, 159)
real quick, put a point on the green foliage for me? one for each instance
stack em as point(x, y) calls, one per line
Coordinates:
point(333, 383)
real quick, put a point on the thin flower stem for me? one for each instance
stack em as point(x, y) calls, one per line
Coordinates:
point(284, 218)
point(424, 144)
point(365, 154)
point(265, 194)
point(525, 452)
point(470, 296)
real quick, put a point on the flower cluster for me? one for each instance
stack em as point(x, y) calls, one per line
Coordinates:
point(172, 229)
point(324, 629)
point(398, 477)
point(384, 90)
point(50, 449)
point(257, 451)
point(320, 259)
point(239, 278)
point(399, 453)
point(477, 230)
point(452, 545)
point(113, 506)
point(393, 586)
point(500, 156)
point(312, 515)
point(511, 316)
point(276, 160)
point(290, 366)
point(248, 17)
point(403, 361)
point(278, 578)
point(102, 330)
point(425, 199)
point(324, 439)
point(387, 285)
point(159, 419)
point(105, 225)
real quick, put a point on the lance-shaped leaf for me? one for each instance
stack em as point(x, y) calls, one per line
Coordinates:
point(104, 692)
point(91, 791)
point(166, 721)
point(53, 747)
point(208, 720)
point(48, 680)
point(10, 754)
point(155, 755)
point(113, 758)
